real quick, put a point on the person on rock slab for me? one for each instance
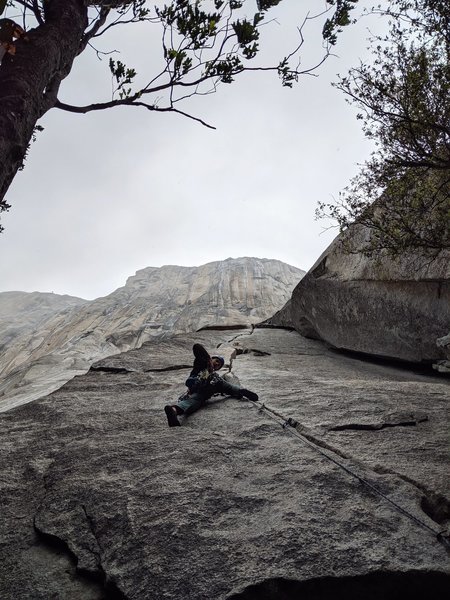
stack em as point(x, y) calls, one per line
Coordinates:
point(202, 383)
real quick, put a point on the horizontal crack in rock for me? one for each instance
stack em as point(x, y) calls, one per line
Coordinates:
point(253, 351)
point(111, 369)
point(410, 421)
point(222, 327)
point(256, 352)
point(171, 368)
point(241, 335)
point(271, 326)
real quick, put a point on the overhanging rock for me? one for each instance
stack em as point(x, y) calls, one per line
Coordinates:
point(396, 309)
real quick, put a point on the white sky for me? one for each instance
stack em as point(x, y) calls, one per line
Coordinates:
point(107, 193)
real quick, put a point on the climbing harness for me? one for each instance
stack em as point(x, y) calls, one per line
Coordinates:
point(290, 425)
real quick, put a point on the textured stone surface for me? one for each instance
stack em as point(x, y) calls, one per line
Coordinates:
point(230, 505)
point(388, 308)
point(23, 313)
point(443, 366)
point(155, 302)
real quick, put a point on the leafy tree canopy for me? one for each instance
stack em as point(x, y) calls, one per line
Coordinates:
point(403, 98)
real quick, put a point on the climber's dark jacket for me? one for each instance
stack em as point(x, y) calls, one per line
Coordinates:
point(202, 360)
point(202, 371)
point(203, 381)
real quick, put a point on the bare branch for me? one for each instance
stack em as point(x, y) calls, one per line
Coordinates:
point(125, 102)
point(98, 23)
point(101, 53)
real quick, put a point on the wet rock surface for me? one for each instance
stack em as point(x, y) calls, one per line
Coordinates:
point(100, 499)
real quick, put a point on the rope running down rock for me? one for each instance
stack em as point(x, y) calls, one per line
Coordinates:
point(290, 425)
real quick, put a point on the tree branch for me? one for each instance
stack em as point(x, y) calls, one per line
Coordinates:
point(126, 102)
point(99, 22)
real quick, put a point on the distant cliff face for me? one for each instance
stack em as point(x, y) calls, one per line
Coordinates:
point(20, 311)
point(235, 291)
point(22, 317)
point(156, 302)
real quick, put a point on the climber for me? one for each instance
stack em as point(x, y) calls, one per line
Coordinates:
point(202, 383)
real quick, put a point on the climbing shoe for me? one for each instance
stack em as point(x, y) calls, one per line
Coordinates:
point(171, 414)
point(250, 395)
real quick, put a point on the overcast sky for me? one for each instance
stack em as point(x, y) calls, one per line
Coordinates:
point(105, 194)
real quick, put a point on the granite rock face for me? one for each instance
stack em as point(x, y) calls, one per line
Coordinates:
point(156, 302)
point(23, 313)
point(443, 366)
point(388, 308)
point(101, 500)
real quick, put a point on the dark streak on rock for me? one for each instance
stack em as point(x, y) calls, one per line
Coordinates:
point(253, 351)
point(171, 368)
point(256, 352)
point(411, 422)
point(222, 327)
point(268, 325)
point(437, 507)
point(117, 370)
point(419, 368)
point(414, 585)
point(124, 370)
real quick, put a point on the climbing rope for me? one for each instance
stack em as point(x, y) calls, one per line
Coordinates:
point(290, 425)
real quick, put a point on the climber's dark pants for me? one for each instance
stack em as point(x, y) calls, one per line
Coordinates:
point(189, 403)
